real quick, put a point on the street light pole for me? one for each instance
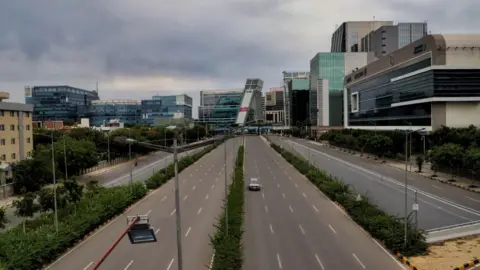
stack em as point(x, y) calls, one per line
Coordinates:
point(108, 146)
point(177, 207)
point(54, 188)
point(406, 190)
point(226, 187)
point(65, 157)
point(130, 157)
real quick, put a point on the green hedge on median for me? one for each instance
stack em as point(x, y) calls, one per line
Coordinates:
point(41, 244)
point(228, 249)
point(381, 225)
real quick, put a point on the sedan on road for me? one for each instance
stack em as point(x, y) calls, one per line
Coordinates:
point(254, 185)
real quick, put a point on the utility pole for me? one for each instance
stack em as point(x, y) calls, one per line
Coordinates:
point(130, 157)
point(108, 146)
point(54, 188)
point(65, 157)
point(226, 187)
point(406, 190)
point(177, 207)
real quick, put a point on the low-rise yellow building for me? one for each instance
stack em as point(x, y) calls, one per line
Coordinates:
point(16, 134)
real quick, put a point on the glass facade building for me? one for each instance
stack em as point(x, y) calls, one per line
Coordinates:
point(61, 102)
point(299, 89)
point(219, 108)
point(166, 107)
point(127, 111)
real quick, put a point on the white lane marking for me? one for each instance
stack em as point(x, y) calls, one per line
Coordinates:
point(470, 198)
point(128, 265)
point(191, 175)
point(216, 179)
point(213, 186)
point(86, 267)
point(194, 187)
point(164, 198)
point(301, 228)
point(188, 231)
point(206, 197)
point(279, 261)
point(291, 209)
point(149, 211)
point(315, 208)
point(283, 195)
point(266, 209)
point(173, 212)
point(358, 260)
point(185, 198)
point(319, 262)
point(290, 178)
point(196, 170)
point(296, 185)
point(304, 195)
point(271, 228)
point(170, 264)
point(331, 228)
point(205, 173)
point(263, 195)
point(437, 187)
point(183, 181)
point(199, 211)
point(278, 185)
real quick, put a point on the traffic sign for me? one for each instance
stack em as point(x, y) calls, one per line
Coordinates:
point(415, 207)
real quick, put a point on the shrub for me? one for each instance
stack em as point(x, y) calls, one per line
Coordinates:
point(228, 249)
point(381, 225)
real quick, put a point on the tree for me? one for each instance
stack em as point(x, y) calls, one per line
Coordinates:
point(26, 207)
point(419, 163)
point(3, 218)
point(449, 155)
point(46, 198)
point(472, 162)
point(379, 144)
point(31, 174)
point(73, 190)
point(362, 142)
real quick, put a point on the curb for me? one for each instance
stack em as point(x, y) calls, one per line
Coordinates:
point(467, 265)
point(405, 261)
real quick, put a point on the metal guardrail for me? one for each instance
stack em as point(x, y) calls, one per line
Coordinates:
point(466, 224)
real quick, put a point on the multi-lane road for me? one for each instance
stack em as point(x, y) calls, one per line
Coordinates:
point(439, 205)
point(201, 195)
point(290, 225)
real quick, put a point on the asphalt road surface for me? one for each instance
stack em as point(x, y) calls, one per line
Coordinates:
point(201, 195)
point(291, 225)
point(439, 205)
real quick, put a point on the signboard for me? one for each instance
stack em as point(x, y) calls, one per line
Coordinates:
point(244, 109)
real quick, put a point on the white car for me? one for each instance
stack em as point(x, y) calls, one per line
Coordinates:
point(254, 184)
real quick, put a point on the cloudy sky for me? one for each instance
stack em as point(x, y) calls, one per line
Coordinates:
point(136, 48)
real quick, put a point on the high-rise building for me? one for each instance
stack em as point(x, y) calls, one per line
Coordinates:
point(60, 102)
point(348, 36)
point(251, 104)
point(16, 134)
point(274, 106)
point(127, 111)
point(219, 108)
point(387, 39)
point(427, 84)
point(327, 72)
point(299, 109)
point(166, 107)
point(287, 77)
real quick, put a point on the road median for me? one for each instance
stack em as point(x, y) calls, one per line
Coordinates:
point(41, 244)
point(228, 247)
point(386, 228)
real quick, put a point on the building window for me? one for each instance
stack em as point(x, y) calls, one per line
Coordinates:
point(354, 101)
point(27, 114)
point(14, 156)
point(12, 140)
point(4, 157)
point(2, 142)
point(12, 127)
point(29, 140)
point(2, 127)
point(28, 127)
point(12, 113)
point(2, 113)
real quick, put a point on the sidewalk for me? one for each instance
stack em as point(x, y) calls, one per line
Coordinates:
point(7, 202)
point(461, 182)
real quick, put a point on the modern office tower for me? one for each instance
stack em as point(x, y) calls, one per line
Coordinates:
point(347, 37)
point(219, 108)
point(127, 111)
point(166, 107)
point(60, 102)
point(427, 84)
point(299, 109)
point(251, 104)
point(327, 72)
point(274, 106)
point(287, 77)
point(16, 134)
point(387, 39)
point(263, 107)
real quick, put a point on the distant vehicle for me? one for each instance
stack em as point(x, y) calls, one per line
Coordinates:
point(254, 184)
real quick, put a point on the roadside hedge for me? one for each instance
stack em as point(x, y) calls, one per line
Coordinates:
point(381, 225)
point(229, 249)
point(41, 244)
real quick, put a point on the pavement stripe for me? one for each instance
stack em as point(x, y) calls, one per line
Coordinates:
point(128, 265)
point(358, 260)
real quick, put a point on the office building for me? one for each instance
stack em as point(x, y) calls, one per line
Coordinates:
point(16, 134)
point(347, 37)
point(219, 108)
point(299, 109)
point(166, 107)
point(126, 111)
point(389, 38)
point(287, 77)
point(327, 72)
point(60, 102)
point(429, 83)
point(274, 106)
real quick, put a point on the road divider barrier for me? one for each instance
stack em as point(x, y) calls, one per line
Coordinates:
point(379, 224)
point(467, 265)
point(41, 244)
point(405, 261)
point(228, 248)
